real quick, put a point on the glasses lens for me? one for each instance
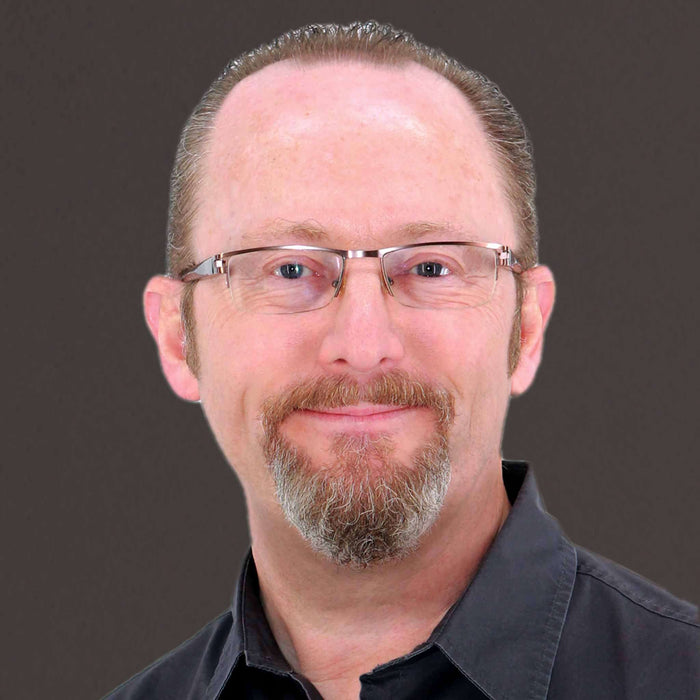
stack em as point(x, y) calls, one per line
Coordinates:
point(283, 281)
point(441, 276)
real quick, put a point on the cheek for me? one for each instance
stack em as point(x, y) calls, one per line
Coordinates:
point(244, 359)
point(468, 352)
point(464, 346)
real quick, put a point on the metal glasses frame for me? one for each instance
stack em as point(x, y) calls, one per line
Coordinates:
point(218, 264)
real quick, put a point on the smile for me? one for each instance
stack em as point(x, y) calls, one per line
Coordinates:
point(359, 410)
point(360, 416)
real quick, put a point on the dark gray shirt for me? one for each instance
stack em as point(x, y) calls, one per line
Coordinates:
point(541, 619)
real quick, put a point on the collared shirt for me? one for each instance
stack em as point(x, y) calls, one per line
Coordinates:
point(540, 619)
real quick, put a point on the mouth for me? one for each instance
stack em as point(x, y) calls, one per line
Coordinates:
point(361, 410)
point(391, 405)
point(360, 417)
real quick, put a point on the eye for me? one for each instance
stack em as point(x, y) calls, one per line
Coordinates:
point(430, 269)
point(292, 271)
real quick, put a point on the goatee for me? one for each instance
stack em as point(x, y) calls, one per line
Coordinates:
point(365, 507)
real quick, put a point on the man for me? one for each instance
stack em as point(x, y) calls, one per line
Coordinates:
point(354, 296)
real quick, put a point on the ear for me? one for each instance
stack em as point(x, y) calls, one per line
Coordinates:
point(161, 304)
point(536, 309)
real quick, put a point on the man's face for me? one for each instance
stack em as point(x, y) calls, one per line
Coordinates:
point(352, 156)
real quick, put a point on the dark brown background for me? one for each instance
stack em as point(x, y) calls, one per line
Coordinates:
point(122, 527)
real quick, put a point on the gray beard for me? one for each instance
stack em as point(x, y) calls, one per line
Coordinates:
point(364, 508)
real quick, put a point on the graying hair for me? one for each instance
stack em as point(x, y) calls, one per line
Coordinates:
point(352, 517)
point(363, 506)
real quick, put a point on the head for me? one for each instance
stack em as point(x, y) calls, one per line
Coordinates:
point(378, 44)
point(356, 138)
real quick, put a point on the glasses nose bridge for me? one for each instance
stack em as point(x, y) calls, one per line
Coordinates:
point(361, 254)
point(352, 254)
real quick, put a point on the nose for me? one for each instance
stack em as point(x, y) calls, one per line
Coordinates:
point(362, 336)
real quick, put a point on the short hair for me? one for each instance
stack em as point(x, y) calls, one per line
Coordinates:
point(374, 43)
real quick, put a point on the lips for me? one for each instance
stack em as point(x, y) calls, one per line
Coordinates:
point(358, 411)
point(358, 417)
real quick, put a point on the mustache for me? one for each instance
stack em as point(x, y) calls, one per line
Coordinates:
point(395, 388)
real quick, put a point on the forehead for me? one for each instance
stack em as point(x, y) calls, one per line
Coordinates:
point(356, 150)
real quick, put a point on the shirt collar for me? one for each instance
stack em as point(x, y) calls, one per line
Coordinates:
point(250, 635)
point(514, 608)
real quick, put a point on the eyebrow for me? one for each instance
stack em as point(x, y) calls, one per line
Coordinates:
point(282, 232)
point(285, 232)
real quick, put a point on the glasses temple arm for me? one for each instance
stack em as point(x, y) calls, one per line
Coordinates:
point(507, 259)
point(215, 265)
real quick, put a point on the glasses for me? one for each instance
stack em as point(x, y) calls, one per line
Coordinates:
point(290, 279)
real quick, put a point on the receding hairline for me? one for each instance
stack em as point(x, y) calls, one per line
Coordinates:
point(240, 95)
point(242, 89)
point(369, 42)
point(373, 43)
point(301, 62)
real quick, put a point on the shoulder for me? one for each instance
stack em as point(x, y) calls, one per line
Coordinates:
point(625, 636)
point(626, 589)
point(183, 673)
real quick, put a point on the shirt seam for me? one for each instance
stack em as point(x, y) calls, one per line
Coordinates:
point(660, 611)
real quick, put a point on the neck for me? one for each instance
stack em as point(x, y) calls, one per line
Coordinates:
point(333, 623)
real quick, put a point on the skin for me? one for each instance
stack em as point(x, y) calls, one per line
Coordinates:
point(364, 154)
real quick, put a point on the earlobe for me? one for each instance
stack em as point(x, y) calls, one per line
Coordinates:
point(538, 302)
point(161, 304)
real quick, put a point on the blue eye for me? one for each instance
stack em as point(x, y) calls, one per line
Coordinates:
point(292, 271)
point(430, 269)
